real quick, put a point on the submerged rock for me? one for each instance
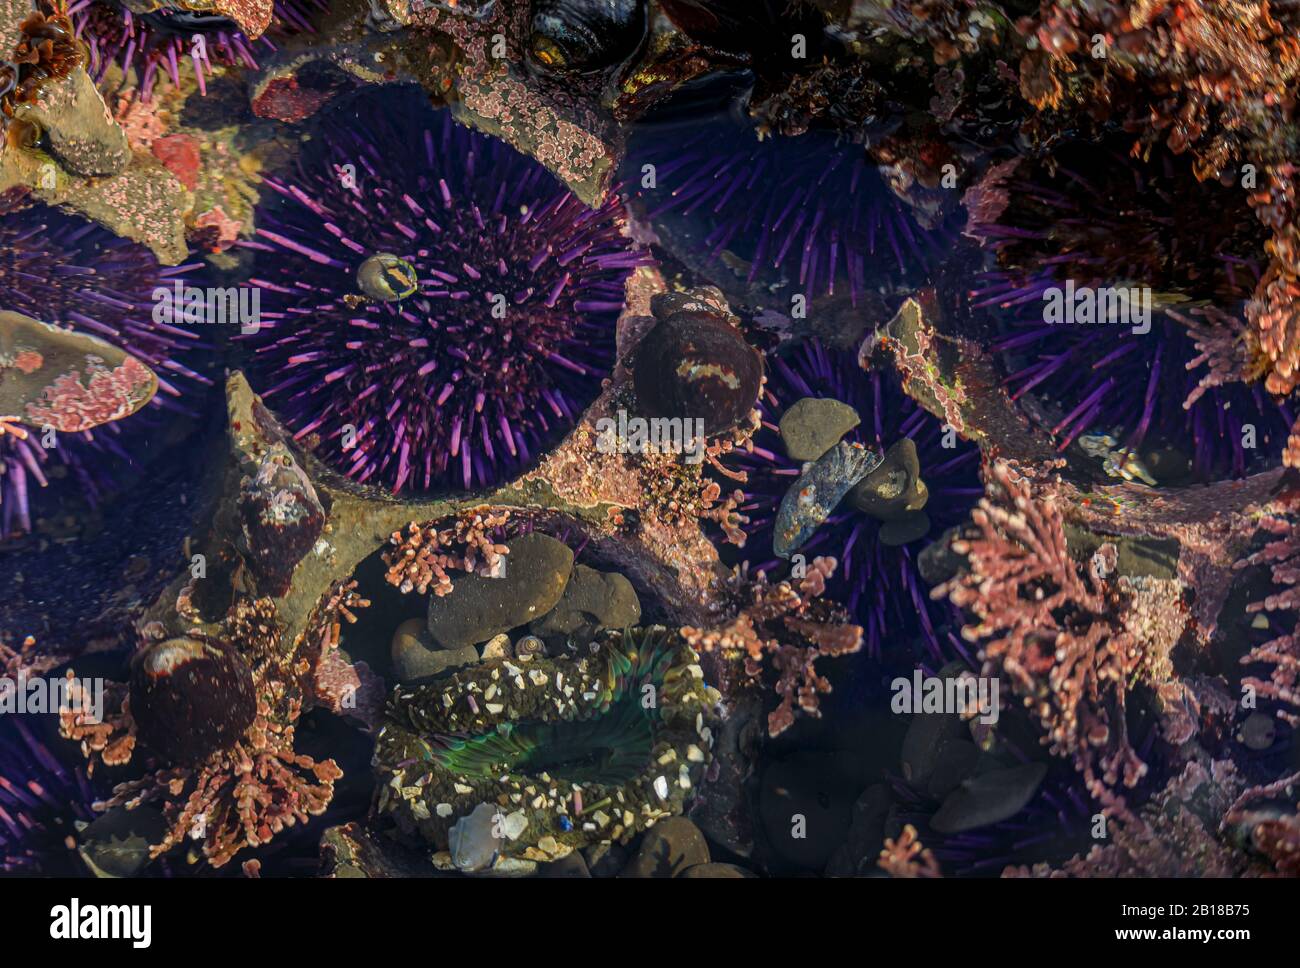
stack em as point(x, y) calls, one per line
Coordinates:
point(988, 798)
point(593, 601)
point(572, 865)
point(668, 849)
point(414, 660)
point(117, 843)
point(537, 570)
point(894, 487)
point(806, 807)
point(716, 870)
point(605, 860)
point(813, 425)
point(905, 529)
point(860, 850)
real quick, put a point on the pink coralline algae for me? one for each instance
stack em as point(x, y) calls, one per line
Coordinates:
point(419, 559)
point(1176, 834)
point(1282, 653)
point(1067, 637)
point(783, 628)
point(1277, 836)
point(907, 857)
point(73, 402)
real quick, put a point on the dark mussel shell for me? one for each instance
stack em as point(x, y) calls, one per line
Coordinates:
point(762, 29)
point(181, 21)
point(585, 36)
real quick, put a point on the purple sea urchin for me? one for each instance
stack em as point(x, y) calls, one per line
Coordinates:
point(463, 382)
point(40, 800)
point(879, 582)
point(1087, 380)
point(1099, 218)
point(1132, 230)
point(802, 215)
point(69, 272)
point(159, 42)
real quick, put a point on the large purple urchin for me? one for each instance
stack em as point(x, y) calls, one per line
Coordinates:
point(1097, 219)
point(70, 272)
point(809, 209)
point(880, 584)
point(158, 43)
point(1104, 379)
point(503, 342)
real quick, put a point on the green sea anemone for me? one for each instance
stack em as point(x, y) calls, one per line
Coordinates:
point(534, 759)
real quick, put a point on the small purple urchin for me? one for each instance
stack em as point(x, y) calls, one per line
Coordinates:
point(64, 270)
point(157, 43)
point(880, 584)
point(515, 287)
point(1097, 219)
point(809, 206)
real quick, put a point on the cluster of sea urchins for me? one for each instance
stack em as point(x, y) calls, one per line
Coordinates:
point(552, 754)
point(69, 272)
point(437, 309)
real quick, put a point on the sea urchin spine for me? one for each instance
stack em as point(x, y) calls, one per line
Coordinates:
point(503, 344)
